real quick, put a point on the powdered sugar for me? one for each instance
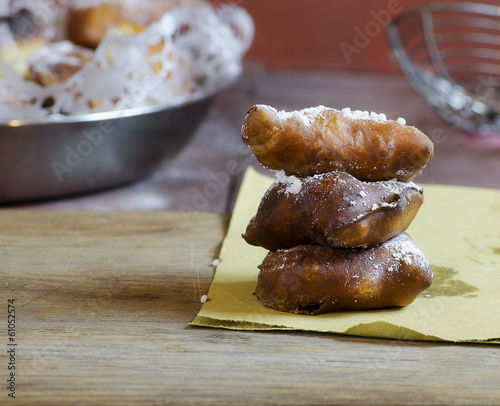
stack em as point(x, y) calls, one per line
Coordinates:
point(397, 186)
point(403, 249)
point(307, 115)
point(294, 184)
point(384, 204)
point(63, 52)
point(363, 115)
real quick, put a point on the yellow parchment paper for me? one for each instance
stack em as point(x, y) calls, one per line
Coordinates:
point(457, 228)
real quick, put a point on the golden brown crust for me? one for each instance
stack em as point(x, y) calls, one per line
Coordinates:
point(321, 139)
point(88, 24)
point(332, 209)
point(314, 279)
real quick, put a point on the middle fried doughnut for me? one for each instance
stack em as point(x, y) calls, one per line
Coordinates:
point(334, 209)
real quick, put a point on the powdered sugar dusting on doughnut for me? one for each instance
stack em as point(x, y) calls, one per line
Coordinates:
point(306, 116)
point(397, 186)
point(363, 115)
point(403, 249)
point(294, 184)
point(309, 114)
point(368, 115)
point(384, 204)
point(63, 52)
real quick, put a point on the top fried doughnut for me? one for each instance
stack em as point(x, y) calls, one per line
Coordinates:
point(319, 140)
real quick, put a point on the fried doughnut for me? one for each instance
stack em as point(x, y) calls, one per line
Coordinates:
point(332, 209)
point(321, 139)
point(87, 26)
point(314, 279)
point(57, 62)
point(89, 21)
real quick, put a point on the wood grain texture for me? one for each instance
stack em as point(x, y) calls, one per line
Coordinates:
point(103, 304)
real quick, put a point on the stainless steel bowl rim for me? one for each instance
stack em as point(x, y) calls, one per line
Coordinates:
point(114, 114)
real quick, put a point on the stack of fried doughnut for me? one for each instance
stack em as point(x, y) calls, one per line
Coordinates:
point(334, 220)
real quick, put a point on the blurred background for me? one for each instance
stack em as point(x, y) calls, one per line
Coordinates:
point(320, 52)
point(322, 34)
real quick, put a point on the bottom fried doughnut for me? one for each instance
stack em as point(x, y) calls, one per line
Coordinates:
point(314, 279)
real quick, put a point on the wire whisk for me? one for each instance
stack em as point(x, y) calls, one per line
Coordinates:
point(450, 53)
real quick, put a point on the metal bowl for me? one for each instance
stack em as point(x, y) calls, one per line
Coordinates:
point(61, 156)
point(450, 53)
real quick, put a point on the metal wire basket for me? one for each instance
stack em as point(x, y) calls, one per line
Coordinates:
point(450, 53)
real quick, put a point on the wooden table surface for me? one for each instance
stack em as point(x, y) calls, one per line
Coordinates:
point(104, 295)
point(103, 302)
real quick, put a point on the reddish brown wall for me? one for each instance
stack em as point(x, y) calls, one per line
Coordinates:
point(309, 34)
